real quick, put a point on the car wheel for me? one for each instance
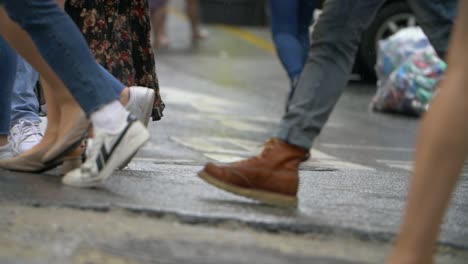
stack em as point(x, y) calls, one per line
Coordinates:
point(391, 18)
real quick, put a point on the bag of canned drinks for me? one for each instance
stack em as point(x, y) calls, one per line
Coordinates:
point(408, 70)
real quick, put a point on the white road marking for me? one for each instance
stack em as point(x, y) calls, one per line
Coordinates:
point(227, 150)
point(408, 165)
point(405, 165)
point(204, 145)
point(153, 160)
point(366, 147)
point(223, 158)
point(199, 101)
point(252, 119)
point(243, 126)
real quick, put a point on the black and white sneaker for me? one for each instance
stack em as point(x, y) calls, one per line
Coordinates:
point(140, 104)
point(107, 153)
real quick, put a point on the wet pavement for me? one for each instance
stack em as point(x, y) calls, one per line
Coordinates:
point(224, 98)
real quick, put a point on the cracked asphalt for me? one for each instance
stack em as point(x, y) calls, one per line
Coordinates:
point(224, 99)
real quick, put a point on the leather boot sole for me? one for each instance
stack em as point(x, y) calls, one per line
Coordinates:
point(266, 197)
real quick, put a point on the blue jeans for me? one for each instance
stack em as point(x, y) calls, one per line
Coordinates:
point(290, 21)
point(335, 41)
point(8, 59)
point(66, 51)
point(24, 104)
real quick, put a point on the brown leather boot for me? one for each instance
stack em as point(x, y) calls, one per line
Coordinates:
point(271, 177)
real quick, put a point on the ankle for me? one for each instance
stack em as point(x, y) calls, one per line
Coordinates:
point(300, 150)
point(124, 96)
point(110, 118)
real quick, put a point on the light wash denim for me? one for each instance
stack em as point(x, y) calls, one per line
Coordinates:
point(24, 103)
point(66, 51)
point(334, 44)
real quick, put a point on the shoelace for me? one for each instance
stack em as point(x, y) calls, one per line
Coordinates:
point(28, 129)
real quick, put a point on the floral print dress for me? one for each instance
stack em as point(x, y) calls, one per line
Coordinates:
point(118, 34)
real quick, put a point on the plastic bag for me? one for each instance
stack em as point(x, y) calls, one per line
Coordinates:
point(408, 69)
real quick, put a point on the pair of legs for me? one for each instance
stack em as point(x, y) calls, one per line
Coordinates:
point(335, 41)
point(158, 14)
point(290, 21)
point(63, 110)
point(158, 11)
point(334, 44)
point(40, 19)
point(25, 131)
point(192, 9)
point(272, 176)
point(63, 47)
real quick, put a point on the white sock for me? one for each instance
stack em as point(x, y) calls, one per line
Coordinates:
point(111, 118)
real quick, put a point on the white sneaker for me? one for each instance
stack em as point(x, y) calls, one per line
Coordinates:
point(24, 136)
point(6, 152)
point(107, 152)
point(141, 103)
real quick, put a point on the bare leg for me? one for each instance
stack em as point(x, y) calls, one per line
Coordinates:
point(158, 25)
point(192, 9)
point(163, 38)
point(53, 119)
point(59, 100)
point(441, 151)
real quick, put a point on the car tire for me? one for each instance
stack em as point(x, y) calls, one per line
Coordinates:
point(395, 12)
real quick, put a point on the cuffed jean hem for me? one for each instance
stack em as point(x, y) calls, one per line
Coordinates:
point(31, 117)
point(296, 137)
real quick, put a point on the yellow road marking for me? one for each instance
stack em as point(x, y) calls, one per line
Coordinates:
point(249, 37)
point(245, 35)
point(177, 13)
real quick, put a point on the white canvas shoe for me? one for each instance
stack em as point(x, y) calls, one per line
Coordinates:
point(141, 103)
point(24, 136)
point(107, 152)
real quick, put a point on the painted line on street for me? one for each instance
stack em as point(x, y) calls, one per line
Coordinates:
point(199, 101)
point(232, 149)
point(162, 161)
point(366, 147)
point(398, 164)
point(203, 145)
point(176, 12)
point(408, 165)
point(245, 35)
point(249, 37)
